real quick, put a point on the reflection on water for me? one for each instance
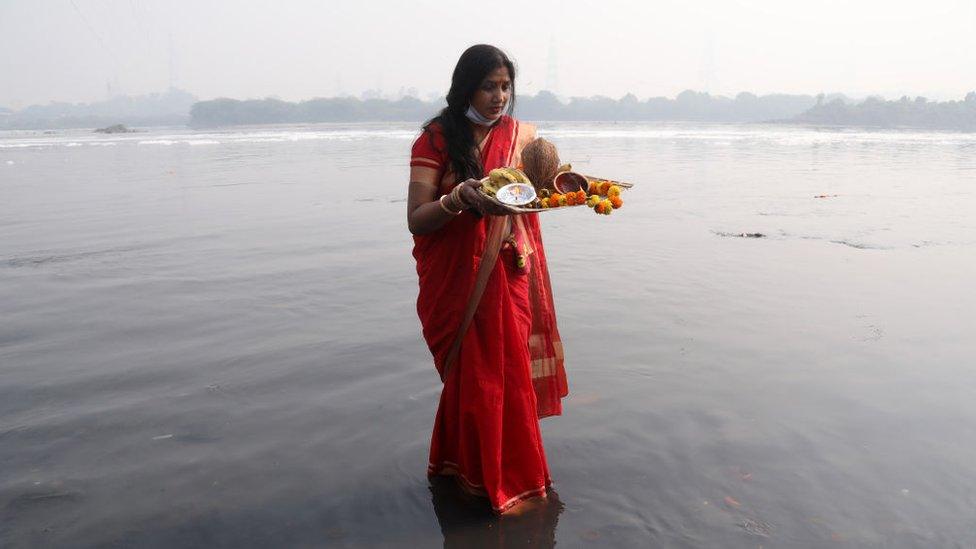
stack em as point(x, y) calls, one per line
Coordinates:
point(468, 522)
point(209, 339)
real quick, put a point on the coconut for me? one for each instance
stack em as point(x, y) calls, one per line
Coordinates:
point(540, 162)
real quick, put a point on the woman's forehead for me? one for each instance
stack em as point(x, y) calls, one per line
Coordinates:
point(499, 74)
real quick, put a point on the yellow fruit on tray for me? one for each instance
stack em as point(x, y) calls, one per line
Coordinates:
point(604, 197)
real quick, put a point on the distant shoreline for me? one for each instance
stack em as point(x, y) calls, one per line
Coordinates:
point(414, 127)
point(835, 111)
point(688, 106)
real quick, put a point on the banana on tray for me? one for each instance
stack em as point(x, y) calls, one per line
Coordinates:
point(499, 177)
point(569, 189)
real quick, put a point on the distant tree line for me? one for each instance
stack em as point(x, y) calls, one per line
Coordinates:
point(177, 107)
point(170, 108)
point(688, 105)
point(220, 112)
point(902, 113)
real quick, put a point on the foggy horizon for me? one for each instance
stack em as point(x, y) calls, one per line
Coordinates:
point(83, 51)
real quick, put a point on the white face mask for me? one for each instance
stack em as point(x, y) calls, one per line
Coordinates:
point(475, 116)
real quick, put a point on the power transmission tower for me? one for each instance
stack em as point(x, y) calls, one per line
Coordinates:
point(709, 81)
point(552, 68)
point(172, 63)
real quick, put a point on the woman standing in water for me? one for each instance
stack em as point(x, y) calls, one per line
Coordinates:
point(485, 302)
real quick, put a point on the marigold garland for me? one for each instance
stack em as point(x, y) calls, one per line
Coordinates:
point(602, 196)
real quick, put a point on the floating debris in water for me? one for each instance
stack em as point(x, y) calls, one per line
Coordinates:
point(162, 437)
point(876, 333)
point(825, 196)
point(741, 235)
point(115, 128)
point(860, 245)
point(756, 527)
point(590, 535)
point(47, 497)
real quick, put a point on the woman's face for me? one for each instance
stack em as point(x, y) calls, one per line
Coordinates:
point(491, 97)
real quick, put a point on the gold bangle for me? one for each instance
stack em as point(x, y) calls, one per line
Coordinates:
point(443, 207)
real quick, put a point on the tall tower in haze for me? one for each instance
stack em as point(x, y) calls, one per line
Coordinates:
point(172, 63)
point(552, 68)
point(709, 82)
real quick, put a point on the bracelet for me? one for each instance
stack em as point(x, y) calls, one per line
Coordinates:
point(456, 194)
point(443, 207)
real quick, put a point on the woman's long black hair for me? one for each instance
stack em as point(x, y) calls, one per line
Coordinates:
point(474, 65)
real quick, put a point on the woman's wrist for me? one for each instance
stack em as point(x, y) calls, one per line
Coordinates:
point(458, 196)
point(450, 209)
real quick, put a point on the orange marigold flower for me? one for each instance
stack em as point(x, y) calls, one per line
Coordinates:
point(616, 201)
point(604, 187)
point(580, 197)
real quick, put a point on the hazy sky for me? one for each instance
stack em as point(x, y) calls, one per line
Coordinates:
point(82, 50)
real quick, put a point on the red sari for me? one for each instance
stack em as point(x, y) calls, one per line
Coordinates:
point(508, 371)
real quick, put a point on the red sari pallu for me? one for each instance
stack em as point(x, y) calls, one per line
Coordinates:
point(504, 370)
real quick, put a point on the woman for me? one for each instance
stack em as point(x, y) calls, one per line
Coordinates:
point(485, 302)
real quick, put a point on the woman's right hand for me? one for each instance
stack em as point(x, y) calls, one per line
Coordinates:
point(481, 202)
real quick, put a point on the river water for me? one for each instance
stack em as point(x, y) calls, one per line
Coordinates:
point(208, 339)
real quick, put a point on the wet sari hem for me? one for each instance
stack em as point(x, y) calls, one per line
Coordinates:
point(449, 469)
